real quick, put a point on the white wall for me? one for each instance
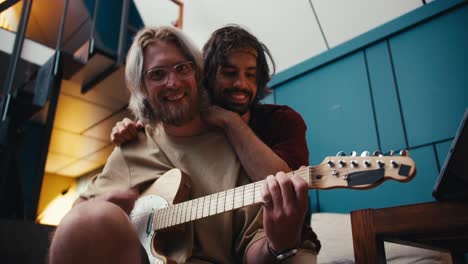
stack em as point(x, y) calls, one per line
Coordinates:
point(290, 29)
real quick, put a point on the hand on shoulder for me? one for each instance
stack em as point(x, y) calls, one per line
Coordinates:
point(125, 130)
point(218, 117)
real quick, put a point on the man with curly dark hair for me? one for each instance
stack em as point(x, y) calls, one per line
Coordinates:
point(267, 138)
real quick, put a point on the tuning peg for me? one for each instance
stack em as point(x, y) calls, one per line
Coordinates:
point(404, 153)
point(377, 153)
point(391, 153)
point(380, 163)
point(353, 153)
point(342, 163)
point(340, 154)
point(365, 154)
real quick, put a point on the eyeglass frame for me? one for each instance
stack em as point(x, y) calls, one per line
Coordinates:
point(170, 69)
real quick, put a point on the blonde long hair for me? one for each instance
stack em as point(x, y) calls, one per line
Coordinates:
point(139, 103)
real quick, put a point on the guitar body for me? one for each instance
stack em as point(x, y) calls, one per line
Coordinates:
point(171, 188)
point(141, 219)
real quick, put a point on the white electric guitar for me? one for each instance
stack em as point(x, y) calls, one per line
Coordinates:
point(164, 206)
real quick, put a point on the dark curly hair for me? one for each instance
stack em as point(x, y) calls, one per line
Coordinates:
point(227, 39)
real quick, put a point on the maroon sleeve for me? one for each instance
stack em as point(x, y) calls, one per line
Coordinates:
point(289, 137)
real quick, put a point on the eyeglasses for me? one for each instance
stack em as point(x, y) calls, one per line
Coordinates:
point(160, 75)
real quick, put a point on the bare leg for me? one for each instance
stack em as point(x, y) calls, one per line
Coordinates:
point(95, 232)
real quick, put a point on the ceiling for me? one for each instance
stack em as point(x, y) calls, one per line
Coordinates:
point(80, 140)
point(293, 30)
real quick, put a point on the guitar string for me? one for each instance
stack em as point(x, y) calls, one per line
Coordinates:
point(247, 191)
point(240, 198)
point(245, 188)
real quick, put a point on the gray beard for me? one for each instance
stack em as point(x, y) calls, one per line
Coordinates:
point(179, 115)
point(176, 115)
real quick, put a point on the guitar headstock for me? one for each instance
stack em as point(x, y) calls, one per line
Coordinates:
point(361, 172)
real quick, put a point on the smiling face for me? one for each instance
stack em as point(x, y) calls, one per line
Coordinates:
point(235, 84)
point(174, 101)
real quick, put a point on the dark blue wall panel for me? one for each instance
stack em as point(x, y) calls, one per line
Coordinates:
point(335, 103)
point(387, 110)
point(269, 99)
point(405, 88)
point(431, 63)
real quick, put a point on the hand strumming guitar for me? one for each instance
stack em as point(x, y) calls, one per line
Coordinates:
point(125, 199)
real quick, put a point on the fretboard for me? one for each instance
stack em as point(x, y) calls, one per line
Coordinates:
point(216, 203)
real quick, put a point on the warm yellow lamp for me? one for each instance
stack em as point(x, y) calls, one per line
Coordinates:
point(58, 208)
point(9, 18)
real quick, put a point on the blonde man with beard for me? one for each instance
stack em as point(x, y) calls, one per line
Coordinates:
point(163, 73)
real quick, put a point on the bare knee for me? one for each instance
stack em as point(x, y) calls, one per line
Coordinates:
point(92, 232)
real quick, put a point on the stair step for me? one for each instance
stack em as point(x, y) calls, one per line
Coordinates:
point(89, 68)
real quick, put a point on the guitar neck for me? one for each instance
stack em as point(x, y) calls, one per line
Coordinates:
point(334, 172)
point(213, 204)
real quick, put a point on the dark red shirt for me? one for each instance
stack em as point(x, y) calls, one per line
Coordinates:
point(283, 130)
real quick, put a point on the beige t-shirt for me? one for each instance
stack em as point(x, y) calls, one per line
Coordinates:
point(212, 165)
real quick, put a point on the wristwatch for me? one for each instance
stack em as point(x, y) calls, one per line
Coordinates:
point(283, 255)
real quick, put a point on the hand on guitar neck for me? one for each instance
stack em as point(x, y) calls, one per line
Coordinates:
point(285, 204)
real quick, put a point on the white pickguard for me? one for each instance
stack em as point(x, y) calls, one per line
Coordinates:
point(141, 217)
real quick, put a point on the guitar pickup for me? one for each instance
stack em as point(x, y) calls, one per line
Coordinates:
point(149, 225)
